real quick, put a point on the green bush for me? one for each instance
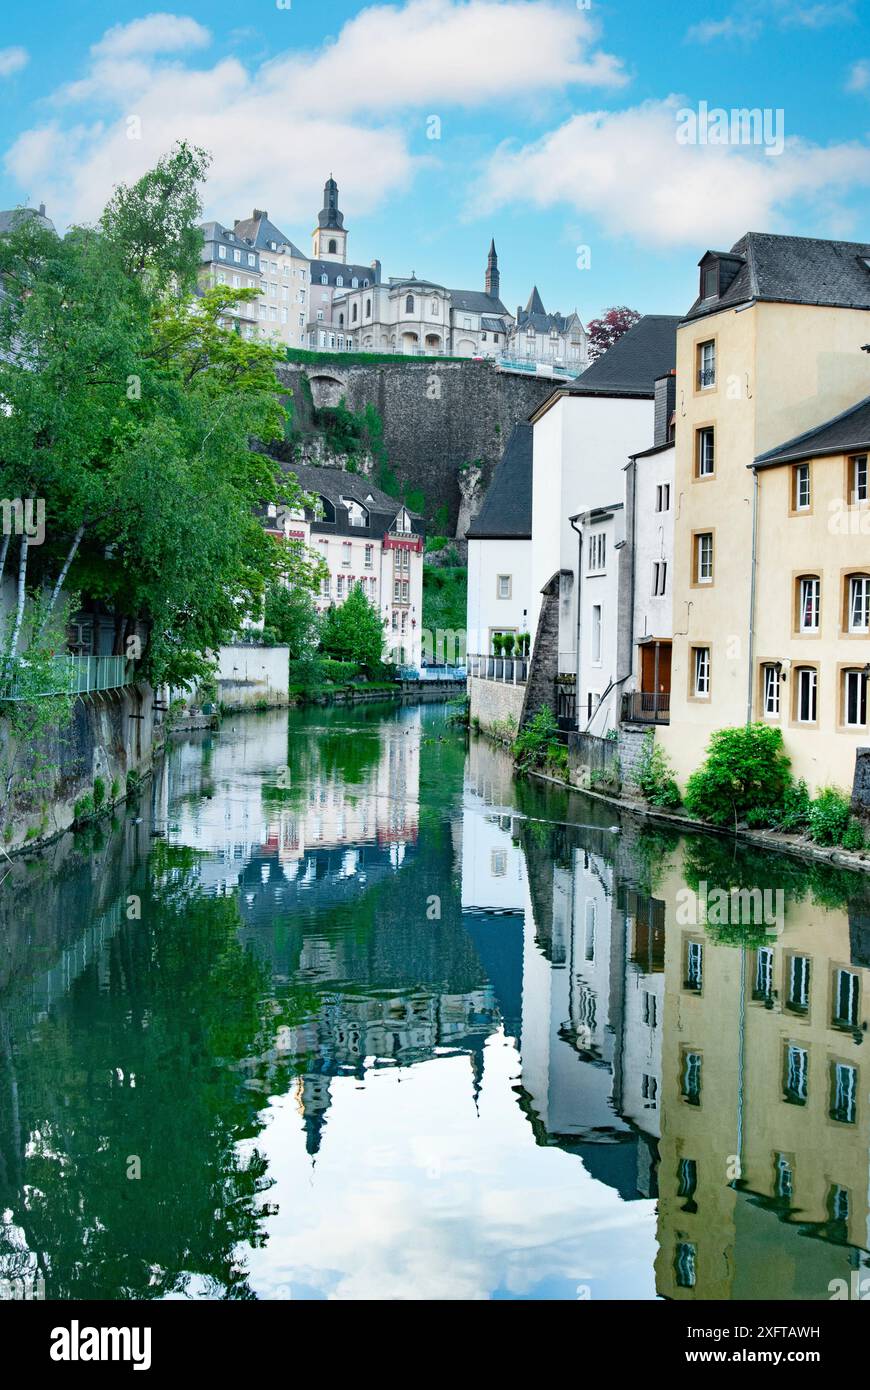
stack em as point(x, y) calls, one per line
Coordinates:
point(538, 745)
point(746, 770)
point(795, 807)
point(83, 808)
point(654, 776)
point(829, 817)
point(853, 838)
point(99, 792)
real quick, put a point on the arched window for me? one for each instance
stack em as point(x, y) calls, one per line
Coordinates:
point(409, 304)
point(332, 245)
point(341, 320)
point(354, 282)
point(857, 603)
point(368, 308)
point(353, 314)
point(324, 279)
point(339, 280)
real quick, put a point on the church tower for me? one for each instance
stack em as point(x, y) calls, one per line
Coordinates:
point(492, 277)
point(329, 239)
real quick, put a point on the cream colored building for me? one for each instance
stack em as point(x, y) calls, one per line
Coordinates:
point(285, 280)
point(771, 349)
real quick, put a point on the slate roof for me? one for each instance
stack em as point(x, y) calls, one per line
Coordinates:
point(793, 270)
point(506, 512)
point(12, 217)
point(334, 483)
point(476, 302)
point(846, 433)
point(259, 231)
point(332, 269)
point(630, 367)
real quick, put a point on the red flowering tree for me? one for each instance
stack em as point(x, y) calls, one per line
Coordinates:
point(607, 330)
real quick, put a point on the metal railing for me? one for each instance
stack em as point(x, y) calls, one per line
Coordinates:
point(432, 673)
point(510, 670)
point(68, 675)
point(647, 707)
point(538, 366)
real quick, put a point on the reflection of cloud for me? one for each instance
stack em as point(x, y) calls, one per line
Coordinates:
point(474, 1208)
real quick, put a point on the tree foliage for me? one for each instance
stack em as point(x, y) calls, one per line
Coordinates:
point(353, 630)
point(746, 773)
point(607, 330)
point(130, 407)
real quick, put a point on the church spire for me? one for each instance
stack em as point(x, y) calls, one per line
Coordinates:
point(329, 239)
point(492, 275)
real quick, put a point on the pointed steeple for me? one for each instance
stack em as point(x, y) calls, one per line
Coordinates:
point(329, 239)
point(535, 304)
point(492, 276)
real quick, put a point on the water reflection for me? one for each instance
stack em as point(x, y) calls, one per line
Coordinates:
point(343, 1010)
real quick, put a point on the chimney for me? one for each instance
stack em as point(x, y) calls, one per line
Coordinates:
point(665, 405)
point(42, 209)
point(376, 272)
point(258, 213)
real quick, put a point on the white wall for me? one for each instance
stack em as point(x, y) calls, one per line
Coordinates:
point(580, 449)
point(653, 540)
point(486, 612)
point(600, 589)
point(248, 675)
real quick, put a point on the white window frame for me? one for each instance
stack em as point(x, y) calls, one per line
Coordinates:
point(859, 602)
point(807, 680)
point(854, 688)
point(701, 673)
point(772, 692)
point(802, 488)
point(809, 602)
point(704, 557)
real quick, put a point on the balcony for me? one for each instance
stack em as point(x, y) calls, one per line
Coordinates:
point(70, 675)
point(509, 670)
point(646, 707)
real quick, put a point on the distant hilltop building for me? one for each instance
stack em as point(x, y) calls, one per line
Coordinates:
point(329, 304)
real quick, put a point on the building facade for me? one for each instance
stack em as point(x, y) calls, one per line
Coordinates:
point(285, 280)
point(558, 340)
point(500, 549)
point(770, 350)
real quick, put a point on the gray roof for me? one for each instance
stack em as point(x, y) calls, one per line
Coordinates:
point(335, 483)
point(846, 433)
point(506, 512)
point(535, 316)
point(332, 269)
point(13, 217)
point(630, 367)
point(792, 270)
point(476, 302)
point(259, 231)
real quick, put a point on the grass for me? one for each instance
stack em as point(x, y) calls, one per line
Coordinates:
point(357, 359)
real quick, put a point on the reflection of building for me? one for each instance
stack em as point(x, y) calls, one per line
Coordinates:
point(764, 1151)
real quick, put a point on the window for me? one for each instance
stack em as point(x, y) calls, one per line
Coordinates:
point(324, 279)
point(706, 365)
point(809, 595)
point(701, 672)
point(222, 253)
point(796, 1074)
point(858, 478)
point(591, 917)
point(649, 1009)
point(704, 557)
point(237, 257)
point(368, 308)
point(783, 1177)
point(345, 552)
point(409, 304)
point(854, 699)
point(770, 694)
point(370, 556)
point(687, 1177)
point(663, 497)
point(339, 586)
point(763, 987)
point(252, 259)
point(332, 246)
point(596, 634)
point(694, 966)
point(798, 998)
point(498, 863)
point(690, 1078)
point(845, 1003)
point(801, 487)
point(685, 1263)
point(807, 695)
point(339, 281)
point(844, 1092)
point(503, 586)
point(597, 551)
point(710, 281)
point(660, 578)
point(324, 586)
point(705, 452)
point(649, 1091)
point(858, 603)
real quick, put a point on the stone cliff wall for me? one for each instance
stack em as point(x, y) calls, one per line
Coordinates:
point(438, 418)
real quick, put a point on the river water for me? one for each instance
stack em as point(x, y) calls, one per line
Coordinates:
point(340, 1008)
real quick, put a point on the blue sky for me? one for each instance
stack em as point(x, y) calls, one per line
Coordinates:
point(557, 127)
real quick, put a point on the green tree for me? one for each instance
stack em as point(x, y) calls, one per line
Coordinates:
point(353, 630)
point(292, 618)
point(745, 774)
point(130, 409)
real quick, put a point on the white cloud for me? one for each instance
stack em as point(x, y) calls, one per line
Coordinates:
point(748, 19)
point(156, 33)
point(709, 30)
point(13, 60)
point(626, 171)
point(355, 104)
point(858, 79)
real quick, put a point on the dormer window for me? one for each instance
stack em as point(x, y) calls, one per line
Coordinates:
point(339, 280)
point(710, 280)
point(324, 279)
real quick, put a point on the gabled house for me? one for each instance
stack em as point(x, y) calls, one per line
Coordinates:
point(557, 339)
point(500, 549)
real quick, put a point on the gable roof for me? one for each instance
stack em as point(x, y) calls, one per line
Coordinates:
point(335, 483)
point(792, 270)
point(630, 367)
point(506, 512)
point(848, 432)
point(260, 232)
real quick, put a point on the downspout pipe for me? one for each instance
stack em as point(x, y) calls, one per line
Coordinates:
point(752, 587)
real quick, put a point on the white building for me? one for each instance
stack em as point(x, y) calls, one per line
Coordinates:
point(500, 549)
point(368, 538)
point(600, 538)
point(646, 568)
point(583, 434)
point(559, 340)
point(257, 255)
